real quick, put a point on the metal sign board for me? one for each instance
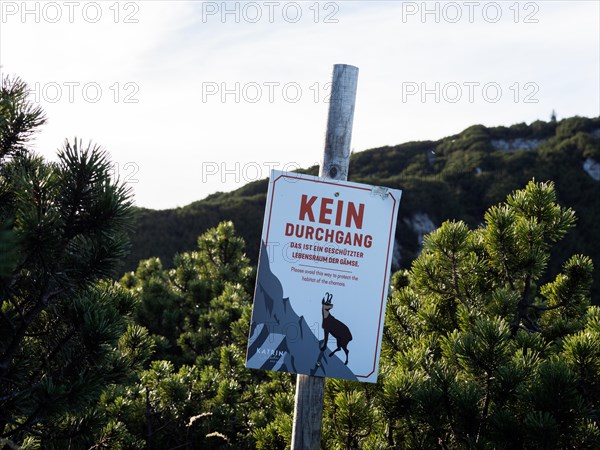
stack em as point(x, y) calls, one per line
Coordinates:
point(323, 277)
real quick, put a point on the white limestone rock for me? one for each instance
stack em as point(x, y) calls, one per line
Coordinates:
point(592, 167)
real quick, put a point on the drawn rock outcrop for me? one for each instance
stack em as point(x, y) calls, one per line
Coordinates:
point(280, 339)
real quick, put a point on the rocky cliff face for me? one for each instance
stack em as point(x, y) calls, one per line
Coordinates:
point(516, 144)
point(280, 339)
point(592, 168)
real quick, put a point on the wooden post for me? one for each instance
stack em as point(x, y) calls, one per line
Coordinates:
point(308, 408)
point(336, 157)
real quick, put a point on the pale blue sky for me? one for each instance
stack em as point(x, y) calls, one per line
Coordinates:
point(174, 55)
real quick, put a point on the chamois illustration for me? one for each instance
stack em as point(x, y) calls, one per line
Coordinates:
point(333, 326)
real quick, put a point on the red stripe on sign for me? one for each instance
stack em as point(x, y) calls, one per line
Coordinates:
point(383, 293)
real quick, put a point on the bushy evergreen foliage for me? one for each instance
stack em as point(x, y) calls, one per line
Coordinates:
point(195, 390)
point(65, 334)
point(478, 349)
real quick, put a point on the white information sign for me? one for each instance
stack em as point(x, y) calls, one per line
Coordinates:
point(323, 277)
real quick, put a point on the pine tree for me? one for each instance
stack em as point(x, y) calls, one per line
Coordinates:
point(196, 392)
point(65, 334)
point(479, 351)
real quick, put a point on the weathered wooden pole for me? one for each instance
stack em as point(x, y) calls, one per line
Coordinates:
point(308, 408)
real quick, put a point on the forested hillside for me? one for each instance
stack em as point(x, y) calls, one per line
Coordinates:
point(457, 177)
